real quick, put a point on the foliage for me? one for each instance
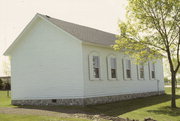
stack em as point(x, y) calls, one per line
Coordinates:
point(1, 84)
point(152, 31)
point(151, 27)
point(175, 63)
point(7, 86)
point(166, 80)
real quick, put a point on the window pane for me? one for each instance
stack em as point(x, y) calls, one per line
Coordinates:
point(96, 65)
point(128, 73)
point(141, 68)
point(96, 61)
point(96, 72)
point(153, 67)
point(128, 64)
point(153, 74)
point(113, 73)
point(141, 74)
point(128, 68)
point(113, 63)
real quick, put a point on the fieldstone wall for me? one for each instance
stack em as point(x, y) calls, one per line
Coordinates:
point(85, 101)
point(78, 101)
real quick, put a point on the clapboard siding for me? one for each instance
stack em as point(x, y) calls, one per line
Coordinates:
point(105, 87)
point(47, 63)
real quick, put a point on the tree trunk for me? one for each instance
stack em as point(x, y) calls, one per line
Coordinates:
point(173, 89)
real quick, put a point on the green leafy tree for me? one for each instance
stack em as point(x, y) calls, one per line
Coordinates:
point(176, 63)
point(152, 31)
point(1, 84)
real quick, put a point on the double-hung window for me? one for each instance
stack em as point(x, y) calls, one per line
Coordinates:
point(127, 69)
point(152, 70)
point(94, 66)
point(112, 67)
point(141, 71)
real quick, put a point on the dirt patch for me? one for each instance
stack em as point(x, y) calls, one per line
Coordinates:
point(64, 114)
point(24, 111)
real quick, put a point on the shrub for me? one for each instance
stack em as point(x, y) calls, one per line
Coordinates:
point(7, 86)
point(166, 80)
point(1, 84)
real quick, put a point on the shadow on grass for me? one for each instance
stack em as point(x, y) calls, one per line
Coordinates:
point(166, 110)
point(115, 109)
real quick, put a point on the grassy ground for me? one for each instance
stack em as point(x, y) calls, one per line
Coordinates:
point(156, 107)
point(5, 101)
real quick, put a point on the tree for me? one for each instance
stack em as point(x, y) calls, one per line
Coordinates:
point(175, 63)
point(1, 84)
point(152, 31)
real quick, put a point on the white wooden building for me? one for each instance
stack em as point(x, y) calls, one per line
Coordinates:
point(54, 62)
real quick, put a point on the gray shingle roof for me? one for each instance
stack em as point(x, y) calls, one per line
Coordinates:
point(84, 33)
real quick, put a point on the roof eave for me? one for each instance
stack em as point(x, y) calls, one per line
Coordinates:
point(9, 49)
point(96, 44)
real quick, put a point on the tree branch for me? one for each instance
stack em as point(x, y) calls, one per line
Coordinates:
point(178, 60)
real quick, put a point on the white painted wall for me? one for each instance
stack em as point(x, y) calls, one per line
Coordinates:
point(105, 87)
point(47, 63)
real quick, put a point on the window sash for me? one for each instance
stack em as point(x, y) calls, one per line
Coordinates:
point(113, 73)
point(112, 67)
point(153, 67)
point(128, 68)
point(141, 71)
point(96, 73)
point(152, 70)
point(142, 74)
point(113, 63)
point(128, 64)
point(153, 74)
point(96, 67)
point(96, 63)
point(128, 73)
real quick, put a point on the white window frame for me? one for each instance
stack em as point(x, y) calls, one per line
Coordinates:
point(91, 71)
point(151, 65)
point(125, 69)
point(139, 71)
point(110, 67)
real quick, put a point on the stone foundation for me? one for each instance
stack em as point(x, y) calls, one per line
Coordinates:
point(85, 101)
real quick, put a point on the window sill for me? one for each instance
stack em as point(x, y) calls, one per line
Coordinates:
point(128, 79)
point(95, 79)
point(142, 79)
point(153, 79)
point(113, 79)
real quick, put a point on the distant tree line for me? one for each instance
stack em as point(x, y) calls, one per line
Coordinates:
point(5, 85)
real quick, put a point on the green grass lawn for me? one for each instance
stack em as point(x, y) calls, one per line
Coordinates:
point(156, 107)
point(5, 101)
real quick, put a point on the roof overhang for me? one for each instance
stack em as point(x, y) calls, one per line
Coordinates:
point(10, 48)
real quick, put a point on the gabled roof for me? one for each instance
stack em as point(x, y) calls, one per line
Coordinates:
point(83, 33)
